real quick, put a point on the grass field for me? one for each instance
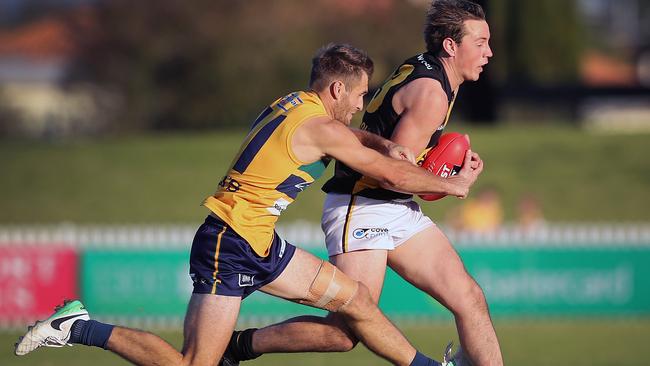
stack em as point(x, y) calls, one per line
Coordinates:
point(529, 343)
point(578, 176)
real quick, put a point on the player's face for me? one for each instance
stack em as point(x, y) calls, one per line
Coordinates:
point(474, 50)
point(352, 100)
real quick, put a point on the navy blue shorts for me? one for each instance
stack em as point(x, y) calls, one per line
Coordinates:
point(223, 263)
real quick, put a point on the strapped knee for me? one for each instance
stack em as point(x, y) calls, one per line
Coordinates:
point(331, 289)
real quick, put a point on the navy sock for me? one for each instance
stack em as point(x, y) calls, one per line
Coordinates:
point(90, 333)
point(422, 360)
point(240, 347)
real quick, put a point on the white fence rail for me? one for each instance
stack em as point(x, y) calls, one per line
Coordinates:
point(307, 234)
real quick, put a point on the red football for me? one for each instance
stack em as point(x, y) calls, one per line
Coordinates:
point(446, 158)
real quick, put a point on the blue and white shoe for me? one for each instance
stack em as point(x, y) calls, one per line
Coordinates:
point(53, 331)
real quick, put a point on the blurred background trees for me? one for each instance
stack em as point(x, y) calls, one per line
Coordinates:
point(540, 42)
point(216, 63)
point(118, 65)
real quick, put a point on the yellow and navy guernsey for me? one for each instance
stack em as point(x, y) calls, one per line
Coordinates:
point(380, 118)
point(265, 176)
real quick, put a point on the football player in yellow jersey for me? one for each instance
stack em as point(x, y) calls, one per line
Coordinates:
point(236, 251)
point(369, 227)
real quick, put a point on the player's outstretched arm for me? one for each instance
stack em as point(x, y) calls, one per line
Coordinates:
point(333, 139)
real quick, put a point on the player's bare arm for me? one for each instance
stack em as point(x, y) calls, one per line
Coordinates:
point(422, 106)
point(321, 137)
point(384, 146)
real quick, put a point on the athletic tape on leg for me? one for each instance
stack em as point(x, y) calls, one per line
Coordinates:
point(331, 289)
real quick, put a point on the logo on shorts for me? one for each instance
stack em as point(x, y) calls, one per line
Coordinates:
point(246, 280)
point(369, 233)
point(203, 280)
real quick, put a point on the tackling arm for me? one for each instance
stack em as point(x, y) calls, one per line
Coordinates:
point(332, 138)
point(383, 146)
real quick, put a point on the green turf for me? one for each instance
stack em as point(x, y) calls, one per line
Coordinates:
point(531, 343)
point(578, 176)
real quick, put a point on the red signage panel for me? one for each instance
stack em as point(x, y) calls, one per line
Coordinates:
point(34, 279)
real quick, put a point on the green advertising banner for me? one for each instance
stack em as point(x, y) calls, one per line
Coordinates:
point(518, 281)
point(136, 283)
point(563, 281)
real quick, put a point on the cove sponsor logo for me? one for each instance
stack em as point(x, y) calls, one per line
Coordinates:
point(369, 233)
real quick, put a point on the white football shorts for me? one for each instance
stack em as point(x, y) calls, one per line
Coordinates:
point(356, 223)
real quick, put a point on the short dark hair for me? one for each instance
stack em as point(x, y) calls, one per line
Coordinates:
point(445, 19)
point(339, 61)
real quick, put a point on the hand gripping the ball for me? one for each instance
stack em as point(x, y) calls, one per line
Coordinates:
point(471, 169)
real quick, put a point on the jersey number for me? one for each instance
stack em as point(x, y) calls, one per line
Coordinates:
point(262, 129)
point(398, 76)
